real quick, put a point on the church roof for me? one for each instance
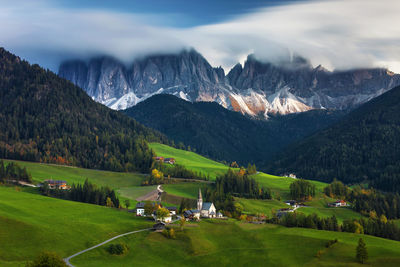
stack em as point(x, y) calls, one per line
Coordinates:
point(206, 205)
point(199, 196)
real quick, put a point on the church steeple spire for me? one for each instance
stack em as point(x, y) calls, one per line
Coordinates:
point(199, 200)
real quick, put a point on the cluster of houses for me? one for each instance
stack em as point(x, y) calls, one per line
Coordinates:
point(140, 211)
point(338, 203)
point(57, 184)
point(204, 210)
point(165, 160)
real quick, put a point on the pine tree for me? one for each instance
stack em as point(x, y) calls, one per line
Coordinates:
point(361, 251)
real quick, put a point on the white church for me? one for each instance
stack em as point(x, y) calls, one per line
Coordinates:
point(207, 209)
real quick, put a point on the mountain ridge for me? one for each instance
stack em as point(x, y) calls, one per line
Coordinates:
point(222, 134)
point(256, 88)
point(362, 147)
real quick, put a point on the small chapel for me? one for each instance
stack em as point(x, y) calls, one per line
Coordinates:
point(207, 209)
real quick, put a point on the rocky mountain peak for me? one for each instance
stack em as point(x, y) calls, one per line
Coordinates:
point(289, 86)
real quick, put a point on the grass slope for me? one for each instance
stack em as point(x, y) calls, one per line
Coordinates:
point(31, 223)
point(126, 184)
point(281, 184)
point(187, 190)
point(229, 243)
point(190, 160)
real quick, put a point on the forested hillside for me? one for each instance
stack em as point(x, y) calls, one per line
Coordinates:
point(363, 147)
point(221, 134)
point(46, 118)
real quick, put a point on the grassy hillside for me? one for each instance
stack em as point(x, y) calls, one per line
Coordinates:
point(41, 172)
point(31, 223)
point(190, 160)
point(188, 190)
point(281, 184)
point(229, 243)
point(127, 185)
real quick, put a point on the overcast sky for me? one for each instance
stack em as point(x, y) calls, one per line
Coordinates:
point(339, 34)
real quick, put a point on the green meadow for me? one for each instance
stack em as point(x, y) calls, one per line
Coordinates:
point(127, 185)
point(186, 189)
point(41, 172)
point(280, 185)
point(231, 243)
point(255, 206)
point(31, 223)
point(190, 160)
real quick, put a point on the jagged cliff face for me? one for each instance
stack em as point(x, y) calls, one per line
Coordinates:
point(256, 88)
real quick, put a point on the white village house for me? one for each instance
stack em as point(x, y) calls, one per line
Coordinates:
point(140, 209)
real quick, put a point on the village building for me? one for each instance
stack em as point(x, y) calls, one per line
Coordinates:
point(159, 227)
point(292, 203)
point(283, 212)
point(207, 209)
point(191, 214)
point(57, 184)
point(140, 209)
point(339, 203)
point(172, 210)
point(169, 160)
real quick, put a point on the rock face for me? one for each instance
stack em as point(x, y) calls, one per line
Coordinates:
point(256, 88)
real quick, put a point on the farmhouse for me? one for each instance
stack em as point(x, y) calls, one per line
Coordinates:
point(191, 214)
point(57, 184)
point(169, 160)
point(284, 211)
point(339, 203)
point(172, 210)
point(292, 203)
point(159, 227)
point(140, 209)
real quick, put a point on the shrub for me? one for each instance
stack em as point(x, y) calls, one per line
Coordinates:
point(117, 249)
point(47, 259)
point(169, 233)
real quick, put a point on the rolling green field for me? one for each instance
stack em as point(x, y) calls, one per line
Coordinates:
point(127, 185)
point(255, 206)
point(41, 172)
point(188, 190)
point(190, 160)
point(31, 223)
point(230, 243)
point(281, 185)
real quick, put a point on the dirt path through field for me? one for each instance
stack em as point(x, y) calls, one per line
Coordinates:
point(152, 196)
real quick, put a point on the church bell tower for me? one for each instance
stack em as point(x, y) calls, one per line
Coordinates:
point(199, 200)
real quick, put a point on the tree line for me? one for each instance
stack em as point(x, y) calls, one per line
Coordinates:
point(302, 190)
point(87, 193)
point(380, 227)
point(12, 171)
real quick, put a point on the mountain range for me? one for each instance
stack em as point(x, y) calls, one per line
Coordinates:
point(257, 88)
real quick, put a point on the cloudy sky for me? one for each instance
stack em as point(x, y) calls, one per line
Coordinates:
point(339, 34)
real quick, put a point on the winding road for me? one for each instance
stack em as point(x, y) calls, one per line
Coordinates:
point(98, 245)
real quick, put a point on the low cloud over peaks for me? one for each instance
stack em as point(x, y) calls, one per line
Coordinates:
point(338, 34)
